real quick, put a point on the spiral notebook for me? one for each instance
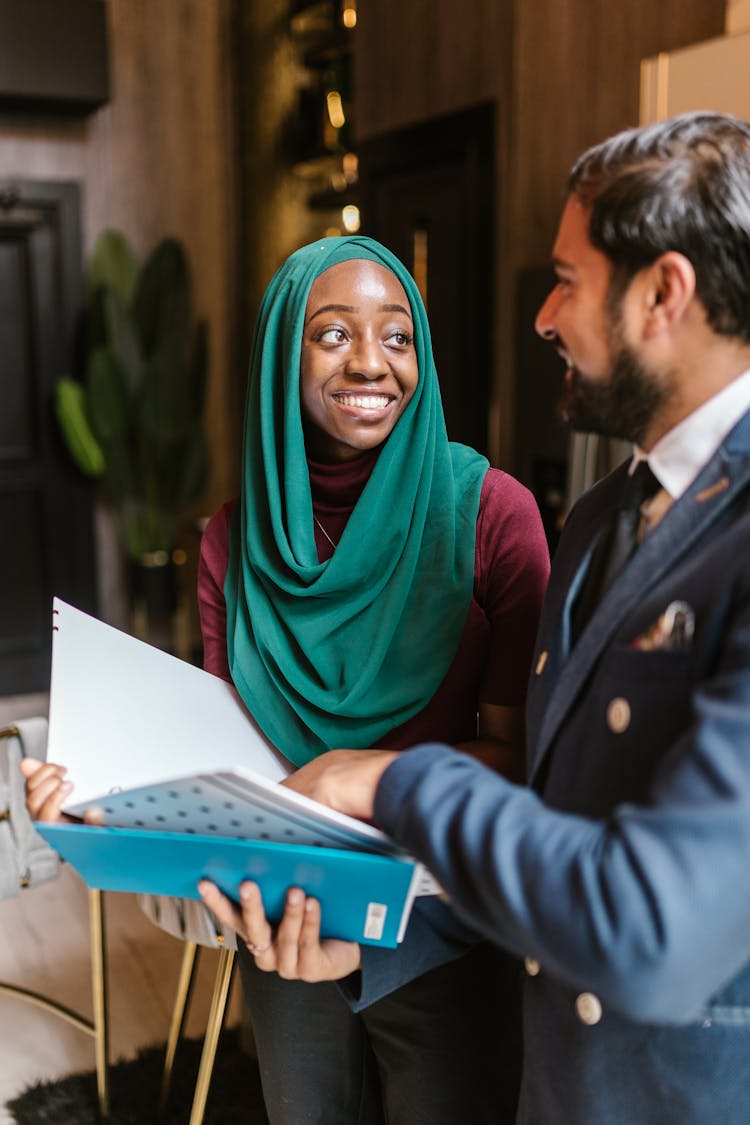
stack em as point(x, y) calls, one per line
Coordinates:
point(363, 897)
point(176, 766)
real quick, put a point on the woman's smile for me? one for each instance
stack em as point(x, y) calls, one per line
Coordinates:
point(362, 403)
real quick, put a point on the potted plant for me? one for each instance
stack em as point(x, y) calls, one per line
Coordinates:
point(133, 416)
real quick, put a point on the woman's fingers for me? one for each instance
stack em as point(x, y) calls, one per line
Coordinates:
point(228, 913)
point(295, 951)
point(248, 920)
point(30, 766)
point(257, 930)
point(288, 934)
point(46, 789)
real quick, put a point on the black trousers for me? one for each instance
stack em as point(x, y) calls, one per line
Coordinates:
point(443, 1050)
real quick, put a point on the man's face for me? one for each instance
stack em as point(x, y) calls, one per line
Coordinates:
point(607, 388)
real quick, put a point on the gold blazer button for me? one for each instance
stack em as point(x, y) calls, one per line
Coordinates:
point(618, 715)
point(588, 1008)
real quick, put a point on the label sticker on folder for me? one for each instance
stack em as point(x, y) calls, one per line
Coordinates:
point(375, 920)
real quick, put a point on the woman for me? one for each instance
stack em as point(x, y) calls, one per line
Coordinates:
point(374, 586)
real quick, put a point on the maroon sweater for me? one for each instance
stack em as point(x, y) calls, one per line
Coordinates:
point(511, 566)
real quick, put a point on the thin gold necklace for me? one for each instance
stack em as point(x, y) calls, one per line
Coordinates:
point(320, 525)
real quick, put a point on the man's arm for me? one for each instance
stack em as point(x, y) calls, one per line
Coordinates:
point(642, 909)
point(645, 907)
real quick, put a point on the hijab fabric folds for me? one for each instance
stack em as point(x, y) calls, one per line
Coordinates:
point(339, 653)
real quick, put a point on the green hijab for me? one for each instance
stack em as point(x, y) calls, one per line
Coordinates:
point(339, 653)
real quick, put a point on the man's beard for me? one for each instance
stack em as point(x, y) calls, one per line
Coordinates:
point(623, 406)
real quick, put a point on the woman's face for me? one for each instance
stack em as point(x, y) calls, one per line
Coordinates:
point(358, 367)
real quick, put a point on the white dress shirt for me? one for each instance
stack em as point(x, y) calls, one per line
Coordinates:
point(679, 456)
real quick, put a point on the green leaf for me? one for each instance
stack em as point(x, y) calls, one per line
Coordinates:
point(70, 410)
point(145, 387)
point(112, 264)
point(162, 302)
point(122, 338)
point(109, 404)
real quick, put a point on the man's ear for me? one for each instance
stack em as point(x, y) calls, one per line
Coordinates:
point(669, 287)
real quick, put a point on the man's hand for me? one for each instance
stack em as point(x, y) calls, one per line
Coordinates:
point(344, 780)
point(295, 951)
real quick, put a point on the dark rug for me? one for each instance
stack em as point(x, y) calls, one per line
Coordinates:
point(135, 1085)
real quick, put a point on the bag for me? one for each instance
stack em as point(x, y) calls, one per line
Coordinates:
point(26, 860)
point(187, 919)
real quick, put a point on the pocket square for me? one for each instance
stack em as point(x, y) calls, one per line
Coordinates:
point(673, 631)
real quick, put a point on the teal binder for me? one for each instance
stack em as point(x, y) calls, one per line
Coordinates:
point(364, 897)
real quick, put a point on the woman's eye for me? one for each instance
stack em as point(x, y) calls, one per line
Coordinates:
point(399, 339)
point(332, 336)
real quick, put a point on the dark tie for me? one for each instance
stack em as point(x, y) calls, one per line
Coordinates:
point(617, 544)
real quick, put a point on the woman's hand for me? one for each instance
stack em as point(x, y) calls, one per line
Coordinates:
point(345, 780)
point(46, 789)
point(295, 951)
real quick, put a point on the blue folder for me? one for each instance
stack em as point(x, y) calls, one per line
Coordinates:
point(364, 897)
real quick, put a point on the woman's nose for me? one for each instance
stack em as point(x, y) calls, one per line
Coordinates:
point(544, 323)
point(366, 359)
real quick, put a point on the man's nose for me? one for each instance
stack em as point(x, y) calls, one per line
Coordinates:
point(545, 322)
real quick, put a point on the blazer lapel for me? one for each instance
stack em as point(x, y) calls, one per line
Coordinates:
point(716, 487)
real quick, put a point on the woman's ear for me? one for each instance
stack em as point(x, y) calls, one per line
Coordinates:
point(668, 291)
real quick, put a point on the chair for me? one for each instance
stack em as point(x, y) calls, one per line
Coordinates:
point(217, 1010)
point(197, 928)
point(28, 861)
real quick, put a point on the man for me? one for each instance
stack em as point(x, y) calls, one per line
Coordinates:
point(622, 874)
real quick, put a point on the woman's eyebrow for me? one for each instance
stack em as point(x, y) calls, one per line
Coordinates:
point(397, 308)
point(352, 309)
point(331, 308)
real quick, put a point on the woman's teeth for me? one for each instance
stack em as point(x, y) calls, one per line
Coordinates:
point(366, 402)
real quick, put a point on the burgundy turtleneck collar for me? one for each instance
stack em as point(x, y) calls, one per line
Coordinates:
point(336, 487)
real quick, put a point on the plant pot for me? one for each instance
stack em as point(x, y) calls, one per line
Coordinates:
point(153, 583)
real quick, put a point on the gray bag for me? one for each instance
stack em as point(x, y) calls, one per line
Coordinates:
point(26, 860)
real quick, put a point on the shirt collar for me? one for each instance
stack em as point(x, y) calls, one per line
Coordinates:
point(678, 457)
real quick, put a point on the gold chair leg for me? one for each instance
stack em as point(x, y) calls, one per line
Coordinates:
point(188, 969)
point(99, 997)
point(98, 1026)
point(215, 1021)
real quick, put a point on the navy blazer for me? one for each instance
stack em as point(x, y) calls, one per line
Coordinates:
point(622, 874)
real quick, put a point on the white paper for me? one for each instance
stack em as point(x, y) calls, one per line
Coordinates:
point(125, 714)
point(238, 803)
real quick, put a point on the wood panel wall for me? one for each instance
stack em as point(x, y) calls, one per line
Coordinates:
point(157, 160)
point(275, 220)
point(564, 74)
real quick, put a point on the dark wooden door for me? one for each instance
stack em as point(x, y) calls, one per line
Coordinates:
point(427, 194)
point(46, 535)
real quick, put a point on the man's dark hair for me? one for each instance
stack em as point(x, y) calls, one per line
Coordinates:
point(684, 185)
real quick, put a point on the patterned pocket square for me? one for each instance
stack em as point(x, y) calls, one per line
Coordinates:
point(672, 632)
